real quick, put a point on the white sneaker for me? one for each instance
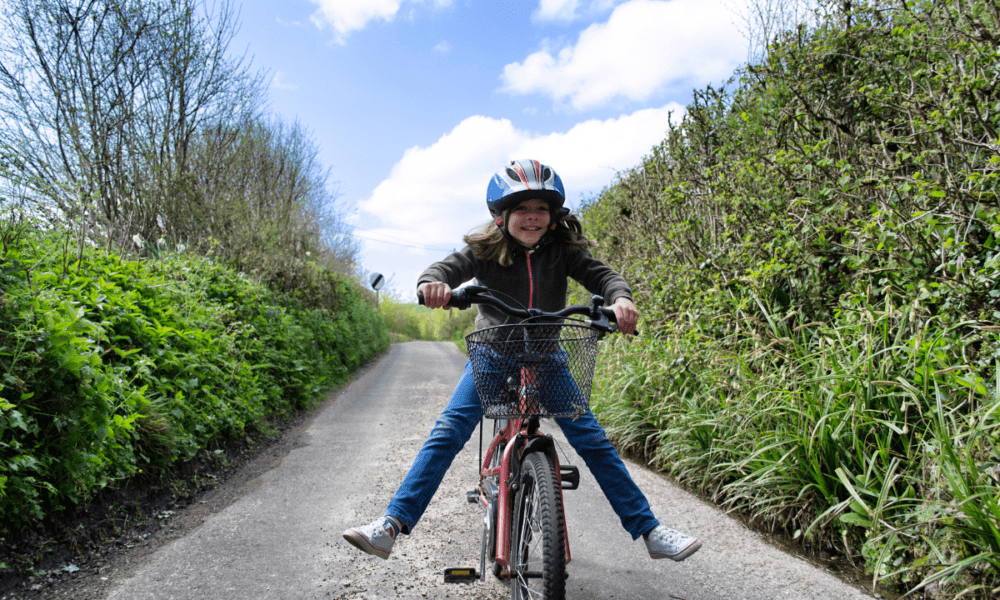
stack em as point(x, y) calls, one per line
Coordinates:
point(375, 538)
point(663, 542)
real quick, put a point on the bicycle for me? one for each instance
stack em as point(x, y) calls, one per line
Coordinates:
point(538, 368)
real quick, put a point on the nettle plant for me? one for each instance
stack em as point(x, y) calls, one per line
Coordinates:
point(116, 368)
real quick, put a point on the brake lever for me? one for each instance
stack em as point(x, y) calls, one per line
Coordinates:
point(599, 318)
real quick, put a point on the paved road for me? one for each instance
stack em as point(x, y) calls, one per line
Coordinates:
point(282, 539)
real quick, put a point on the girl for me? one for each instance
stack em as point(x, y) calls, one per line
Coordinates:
point(527, 251)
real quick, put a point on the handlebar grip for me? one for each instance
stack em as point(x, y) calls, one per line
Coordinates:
point(614, 319)
point(460, 299)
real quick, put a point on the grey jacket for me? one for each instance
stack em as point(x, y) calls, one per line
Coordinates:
point(537, 279)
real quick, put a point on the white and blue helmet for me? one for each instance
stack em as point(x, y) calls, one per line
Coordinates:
point(524, 180)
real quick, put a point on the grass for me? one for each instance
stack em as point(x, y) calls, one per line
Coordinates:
point(406, 322)
point(874, 437)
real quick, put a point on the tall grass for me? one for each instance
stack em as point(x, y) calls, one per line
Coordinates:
point(874, 436)
point(407, 321)
point(815, 248)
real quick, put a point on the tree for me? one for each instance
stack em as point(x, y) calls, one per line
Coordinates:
point(101, 98)
point(763, 20)
point(133, 117)
point(262, 193)
point(70, 88)
point(197, 88)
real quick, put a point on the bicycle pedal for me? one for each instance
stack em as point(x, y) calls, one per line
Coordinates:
point(570, 477)
point(456, 575)
point(472, 496)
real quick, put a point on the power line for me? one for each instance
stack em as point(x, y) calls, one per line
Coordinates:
point(417, 246)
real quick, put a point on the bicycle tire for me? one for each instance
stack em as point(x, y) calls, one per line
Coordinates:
point(538, 555)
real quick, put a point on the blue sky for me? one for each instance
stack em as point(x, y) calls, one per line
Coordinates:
point(415, 103)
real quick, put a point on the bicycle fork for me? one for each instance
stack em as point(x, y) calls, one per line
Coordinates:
point(500, 484)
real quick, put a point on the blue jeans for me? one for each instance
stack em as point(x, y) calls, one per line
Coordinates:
point(454, 428)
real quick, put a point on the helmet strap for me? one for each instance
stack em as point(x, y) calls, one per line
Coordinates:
point(503, 230)
point(557, 217)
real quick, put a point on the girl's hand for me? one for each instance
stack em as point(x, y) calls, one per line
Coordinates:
point(436, 294)
point(627, 314)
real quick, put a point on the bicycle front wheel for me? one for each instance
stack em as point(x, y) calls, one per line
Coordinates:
point(538, 556)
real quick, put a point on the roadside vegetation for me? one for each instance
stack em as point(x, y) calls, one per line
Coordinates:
point(175, 274)
point(407, 321)
point(116, 368)
point(815, 249)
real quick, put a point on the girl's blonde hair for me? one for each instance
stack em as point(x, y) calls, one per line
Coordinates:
point(489, 242)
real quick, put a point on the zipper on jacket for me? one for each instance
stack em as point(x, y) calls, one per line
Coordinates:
point(531, 280)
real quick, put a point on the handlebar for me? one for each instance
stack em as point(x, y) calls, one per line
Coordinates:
point(597, 317)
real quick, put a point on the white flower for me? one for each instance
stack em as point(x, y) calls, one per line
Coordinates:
point(137, 239)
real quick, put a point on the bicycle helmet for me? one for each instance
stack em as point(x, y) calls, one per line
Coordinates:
point(523, 180)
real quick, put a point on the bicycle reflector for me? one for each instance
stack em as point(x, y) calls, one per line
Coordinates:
point(455, 575)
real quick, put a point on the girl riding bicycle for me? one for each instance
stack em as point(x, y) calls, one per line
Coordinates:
point(527, 252)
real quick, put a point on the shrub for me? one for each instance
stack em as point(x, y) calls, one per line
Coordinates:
point(815, 255)
point(112, 367)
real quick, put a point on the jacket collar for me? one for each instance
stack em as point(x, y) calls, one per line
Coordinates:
point(517, 248)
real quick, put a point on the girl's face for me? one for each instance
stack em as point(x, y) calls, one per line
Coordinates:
point(529, 221)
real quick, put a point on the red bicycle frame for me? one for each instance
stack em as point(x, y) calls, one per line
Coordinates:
point(517, 437)
point(502, 484)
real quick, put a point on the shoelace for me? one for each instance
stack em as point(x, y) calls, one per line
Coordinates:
point(668, 536)
point(381, 531)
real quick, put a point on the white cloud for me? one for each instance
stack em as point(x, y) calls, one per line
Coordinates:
point(436, 194)
point(346, 16)
point(644, 46)
point(570, 10)
point(557, 10)
point(443, 47)
point(431, 188)
point(350, 15)
point(280, 81)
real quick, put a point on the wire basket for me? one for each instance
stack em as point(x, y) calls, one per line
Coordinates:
point(533, 369)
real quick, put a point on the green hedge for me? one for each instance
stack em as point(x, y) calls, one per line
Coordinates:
point(815, 250)
point(113, 367)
